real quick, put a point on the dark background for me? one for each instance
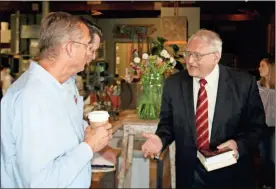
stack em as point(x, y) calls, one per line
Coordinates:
point(241, 25)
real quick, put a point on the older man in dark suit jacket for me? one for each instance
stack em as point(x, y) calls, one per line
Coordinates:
point(209, 106)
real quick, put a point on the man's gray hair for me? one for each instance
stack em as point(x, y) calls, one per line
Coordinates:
point(57, 28)
point(209, 37)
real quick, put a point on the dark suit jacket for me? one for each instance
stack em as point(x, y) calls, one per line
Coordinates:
point(239, 115)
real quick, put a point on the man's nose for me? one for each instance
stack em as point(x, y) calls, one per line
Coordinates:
point(93, 56)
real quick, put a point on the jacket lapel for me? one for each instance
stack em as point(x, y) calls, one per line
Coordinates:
point(222, 102)
point(187, 90)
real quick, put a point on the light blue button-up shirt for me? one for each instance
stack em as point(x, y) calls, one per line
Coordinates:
point(41, 135)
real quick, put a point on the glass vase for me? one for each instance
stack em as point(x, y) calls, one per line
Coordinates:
point(149, 94)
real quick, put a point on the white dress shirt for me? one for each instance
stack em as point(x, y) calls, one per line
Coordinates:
point(211, 89)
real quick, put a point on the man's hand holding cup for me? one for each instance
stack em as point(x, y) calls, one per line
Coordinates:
point(99, 132)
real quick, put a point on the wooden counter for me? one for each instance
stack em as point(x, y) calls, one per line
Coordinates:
point(133, 126)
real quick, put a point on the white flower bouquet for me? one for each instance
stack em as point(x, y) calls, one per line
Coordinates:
point(150, 70)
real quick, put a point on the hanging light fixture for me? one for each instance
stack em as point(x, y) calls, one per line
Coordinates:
point(96, 13)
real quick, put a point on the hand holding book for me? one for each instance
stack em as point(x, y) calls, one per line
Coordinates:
point(225, 155)
point(231, 144)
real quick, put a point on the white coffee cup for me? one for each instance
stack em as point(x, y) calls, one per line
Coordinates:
point(98, 118)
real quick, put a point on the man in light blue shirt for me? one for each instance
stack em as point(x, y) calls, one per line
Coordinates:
point(43, 142)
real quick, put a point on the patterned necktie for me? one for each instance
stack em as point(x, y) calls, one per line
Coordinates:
point(202, 132)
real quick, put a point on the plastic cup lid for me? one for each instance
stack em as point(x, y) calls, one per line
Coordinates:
point(98, 116)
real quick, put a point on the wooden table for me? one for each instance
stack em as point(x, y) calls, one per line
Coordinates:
point(133, 126)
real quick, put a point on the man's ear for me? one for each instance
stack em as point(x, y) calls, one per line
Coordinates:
point(69, 49)
point(217, 57)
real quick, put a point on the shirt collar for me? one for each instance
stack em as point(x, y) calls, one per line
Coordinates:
point(212, 77)
point(42, 74)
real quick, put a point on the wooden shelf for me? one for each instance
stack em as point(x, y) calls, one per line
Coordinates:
point(4, 45)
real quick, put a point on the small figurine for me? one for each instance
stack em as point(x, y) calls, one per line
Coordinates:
point(115, 98)
point(109, 90)
point(93, 98)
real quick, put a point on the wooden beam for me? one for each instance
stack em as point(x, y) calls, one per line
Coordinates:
point(13, 6)
point(116, 6)
point(227, 17)
point(94, 2)
point(124, 6)
point(179, 4)
point(70, 7)
point(5, 45)
point(175, 42)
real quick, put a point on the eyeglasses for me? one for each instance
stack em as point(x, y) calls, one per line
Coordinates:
point(196, 56)
point(88, 46)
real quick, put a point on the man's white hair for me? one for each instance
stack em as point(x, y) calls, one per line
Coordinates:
point(209, 37)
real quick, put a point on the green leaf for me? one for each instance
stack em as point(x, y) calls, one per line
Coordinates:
point(156, 50)
point(161, 40)
point(175, 48)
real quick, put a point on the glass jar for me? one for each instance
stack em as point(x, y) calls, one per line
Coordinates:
point(149, 94)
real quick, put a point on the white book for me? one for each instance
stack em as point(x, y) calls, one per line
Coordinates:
point(100, 164)
point(100, 160)
point(213, 160)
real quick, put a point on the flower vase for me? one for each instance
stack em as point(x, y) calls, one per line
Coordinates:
point(149, 94)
